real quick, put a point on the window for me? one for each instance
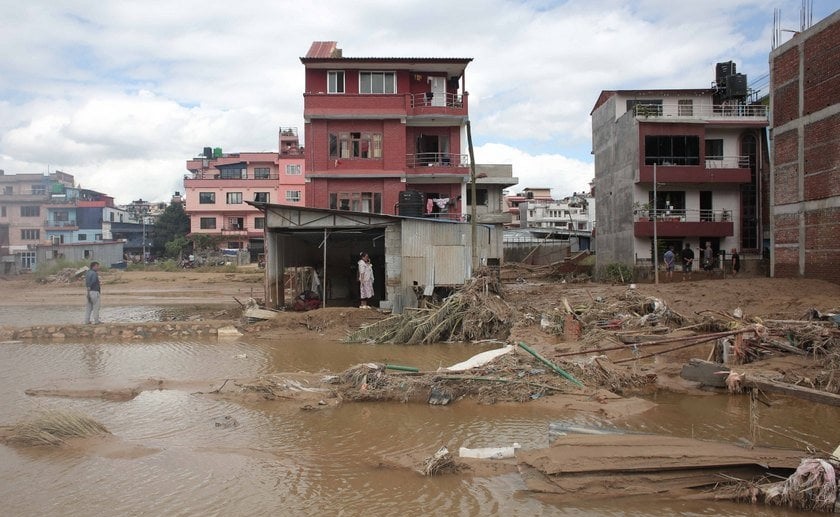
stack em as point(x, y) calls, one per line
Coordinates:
point(233, 245)
point(82, 237)
point(27, 260)
point(2, 211)
point(112, 216)
point(7, 190)
point(206, 198)
point(714, 149)
point(61, 216)
point(237, 172)
point(685, 107)
point(480, 196)
point(97, 236)
point(259, 223)
point(261, 197)
point(357, 201)
point(293, 196)
point(208, 223)
point(30, 235)
point(672, 150)
point(262, 173)
point(645, 108)
point(88, 254)
point(235, 223)
point(356, 145)
point(293, 170)
point(335, 81)
point(39, 190)
point(377, 82)
point(234, 198)
point(30, 211)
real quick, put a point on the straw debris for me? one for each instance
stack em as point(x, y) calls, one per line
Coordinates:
point(54, 428)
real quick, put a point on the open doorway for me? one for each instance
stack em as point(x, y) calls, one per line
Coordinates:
point(432, 150)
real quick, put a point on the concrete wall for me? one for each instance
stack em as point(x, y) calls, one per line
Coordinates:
point(106, 253)
point(615, 145)
point(805, 179)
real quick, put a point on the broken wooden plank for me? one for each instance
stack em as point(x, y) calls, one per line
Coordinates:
point(771, 386)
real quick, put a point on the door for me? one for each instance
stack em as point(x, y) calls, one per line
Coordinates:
point(438, 91)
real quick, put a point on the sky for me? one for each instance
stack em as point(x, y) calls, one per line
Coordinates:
point(121, 93)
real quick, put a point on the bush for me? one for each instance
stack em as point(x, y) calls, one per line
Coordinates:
point(619, 273)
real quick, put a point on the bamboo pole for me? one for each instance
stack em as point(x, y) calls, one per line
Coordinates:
point(551, 365)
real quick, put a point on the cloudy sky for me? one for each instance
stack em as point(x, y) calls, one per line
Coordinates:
point(122, 93)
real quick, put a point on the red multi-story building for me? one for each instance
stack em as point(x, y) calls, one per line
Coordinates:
point(389, 135)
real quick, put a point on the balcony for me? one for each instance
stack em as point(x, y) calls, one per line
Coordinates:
point(684, 223)
point(708, 112)
point(438, 160)
point(321, 105)
point(216, 176)
point(60, 225)
point(437, 104)
point(718, 169)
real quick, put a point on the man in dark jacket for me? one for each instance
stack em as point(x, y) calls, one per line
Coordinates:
point(93, 291)
point(688, 260)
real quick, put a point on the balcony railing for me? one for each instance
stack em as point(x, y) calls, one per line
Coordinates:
point(684, 216)
point(212, 175)
point(703, 111)
point(60, 224)
point(437, 100)
point(437, 160)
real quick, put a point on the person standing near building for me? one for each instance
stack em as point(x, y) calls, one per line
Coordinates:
point(365, 280)
point(688, 260)
point(708, 257)
point(669, 259)
point(736, 262)
point(93, 292)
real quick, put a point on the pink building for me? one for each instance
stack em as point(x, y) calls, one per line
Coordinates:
point(220, 183)
point(23, 215)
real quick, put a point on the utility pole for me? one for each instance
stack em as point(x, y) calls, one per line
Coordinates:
point(655, 245)
point(473, 230)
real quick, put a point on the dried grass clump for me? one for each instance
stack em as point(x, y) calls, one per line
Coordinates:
point(441, 462)
point(54, 428)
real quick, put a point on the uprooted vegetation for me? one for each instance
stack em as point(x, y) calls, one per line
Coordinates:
point(474, 312)
point(53, 428)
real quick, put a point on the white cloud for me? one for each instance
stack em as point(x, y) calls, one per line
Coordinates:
point(116, 89)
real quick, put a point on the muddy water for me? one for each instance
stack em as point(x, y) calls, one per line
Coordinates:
point(279, 460)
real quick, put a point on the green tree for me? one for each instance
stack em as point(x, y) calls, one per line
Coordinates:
point(171, 225)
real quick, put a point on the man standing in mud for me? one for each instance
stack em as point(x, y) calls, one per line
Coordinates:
point(93, 291)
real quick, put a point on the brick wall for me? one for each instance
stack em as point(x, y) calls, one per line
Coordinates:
point(816, 251)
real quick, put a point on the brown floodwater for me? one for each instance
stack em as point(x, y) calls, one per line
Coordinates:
point(342, 460)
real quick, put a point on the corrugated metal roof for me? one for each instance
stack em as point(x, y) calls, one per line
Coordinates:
point(322, 49)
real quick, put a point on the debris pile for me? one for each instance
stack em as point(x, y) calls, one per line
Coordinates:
point(473, 312)
point(441, 462)
point(67, 275)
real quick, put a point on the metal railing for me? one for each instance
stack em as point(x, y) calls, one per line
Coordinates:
point(727, 162)
point(216, 176)
point(437, 100)
point(437, 160)
point(684, 216)
point(703, 111)
point(60, 224)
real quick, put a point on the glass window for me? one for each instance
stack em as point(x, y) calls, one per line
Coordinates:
point(672, 150)
point(645, 108)
point(377, 82)
point(234, 198)
point(30, 235)
point(335, 81)
point(293, 195)
point(259, 223)
point(208, 223)
point(261, 197)
point(356, 145)
point(714, 149)
point(685, 107)
point(262, 173)
point(30, 211)
point(293, 170)
point(82, 237)
point(206, 198)
point(39, 190)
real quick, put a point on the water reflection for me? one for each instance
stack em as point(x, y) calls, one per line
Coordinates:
point(350, 459)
